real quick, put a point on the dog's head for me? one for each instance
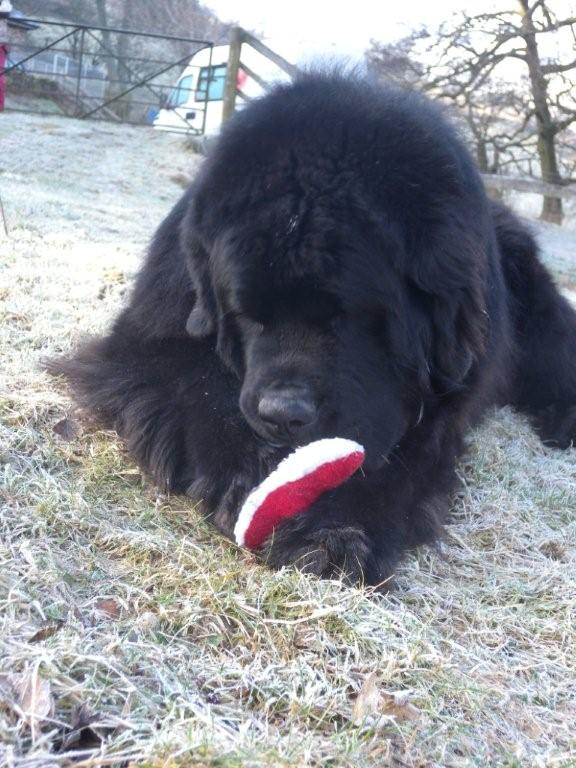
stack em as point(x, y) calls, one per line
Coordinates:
point(333, 333)
point(344, 298)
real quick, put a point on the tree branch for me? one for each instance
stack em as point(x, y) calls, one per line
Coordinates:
point(549, 69)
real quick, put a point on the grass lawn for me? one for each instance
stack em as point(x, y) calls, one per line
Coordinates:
point(130, 632)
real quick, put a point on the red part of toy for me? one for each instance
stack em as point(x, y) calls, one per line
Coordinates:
point(297, 482)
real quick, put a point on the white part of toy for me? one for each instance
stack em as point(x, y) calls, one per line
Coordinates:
point(297, 465)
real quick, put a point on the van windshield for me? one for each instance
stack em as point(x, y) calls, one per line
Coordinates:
point(213, 79)
point(181, 93)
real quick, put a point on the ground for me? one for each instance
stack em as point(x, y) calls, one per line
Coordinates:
point(131, 632)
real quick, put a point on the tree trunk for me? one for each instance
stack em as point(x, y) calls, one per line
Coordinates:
point(116, 45)
point(123, 50)
point(482, 156)
point(552, 206)
point(485, 166)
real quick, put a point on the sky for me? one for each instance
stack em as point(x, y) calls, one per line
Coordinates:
point(301, 29)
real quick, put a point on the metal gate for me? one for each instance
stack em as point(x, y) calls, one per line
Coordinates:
point(92, 72)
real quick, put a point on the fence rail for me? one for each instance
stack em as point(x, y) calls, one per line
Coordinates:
point(116, 30)
point(95, 72)
point(90, 71)
point(533, 186)
point(239, 37)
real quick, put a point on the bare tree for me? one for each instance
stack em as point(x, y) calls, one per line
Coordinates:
point(497, 119)
point(117, 47)
point(469, 54)
point(518, 103)
point(493, 116)
point(398, 62)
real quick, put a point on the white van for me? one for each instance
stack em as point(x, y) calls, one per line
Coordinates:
point(195, 104)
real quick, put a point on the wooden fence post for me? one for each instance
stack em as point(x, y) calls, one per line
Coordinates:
point(236, 38)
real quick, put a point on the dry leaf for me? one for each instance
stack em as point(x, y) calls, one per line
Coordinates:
point(82, 735)
point(554, 550)
point(372, 701)
point(181, 179)
point(368, 699)
point(109, 607)
point(398, 706)
point(303, 637)
point(67, 429)
point(44, 633)
point(34, 698)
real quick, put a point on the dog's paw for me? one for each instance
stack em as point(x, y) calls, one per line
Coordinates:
point(556, 425)
point(329, 551)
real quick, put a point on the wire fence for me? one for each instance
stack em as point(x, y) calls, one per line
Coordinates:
point(101, 73)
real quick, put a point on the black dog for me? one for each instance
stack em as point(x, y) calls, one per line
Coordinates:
point(335, 270)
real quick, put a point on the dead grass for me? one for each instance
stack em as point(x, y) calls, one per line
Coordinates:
point(130, 633)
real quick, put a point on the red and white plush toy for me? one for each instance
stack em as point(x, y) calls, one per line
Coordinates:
point(294, 485)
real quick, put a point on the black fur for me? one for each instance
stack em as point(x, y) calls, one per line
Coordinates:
point(336, 261)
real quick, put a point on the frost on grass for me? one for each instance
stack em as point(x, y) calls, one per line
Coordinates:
point(131, 632)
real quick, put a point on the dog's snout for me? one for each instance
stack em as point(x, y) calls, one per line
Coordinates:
point(287, 409)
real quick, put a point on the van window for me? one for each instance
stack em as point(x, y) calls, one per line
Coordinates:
point(214, 78)
point(181, 93)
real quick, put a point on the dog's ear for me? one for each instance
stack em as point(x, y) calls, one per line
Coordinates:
point(449, 278)
point(202, 319)
point(457, 343)
point(205, 318)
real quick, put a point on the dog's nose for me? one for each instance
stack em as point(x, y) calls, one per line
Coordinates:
point(287, 409)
